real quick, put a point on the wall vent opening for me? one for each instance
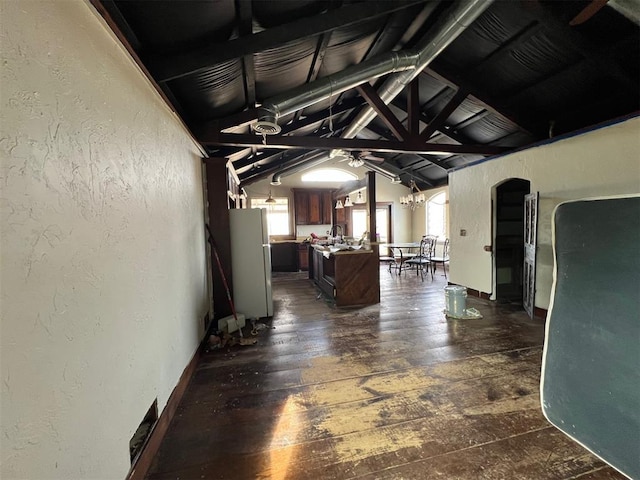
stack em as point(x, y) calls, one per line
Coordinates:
point(141, 435)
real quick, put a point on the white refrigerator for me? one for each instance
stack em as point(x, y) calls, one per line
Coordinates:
point(251, 262)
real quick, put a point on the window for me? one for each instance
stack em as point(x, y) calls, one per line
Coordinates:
point(277, 214)
point(358, 222)
point(437, 215)
point(328, 175)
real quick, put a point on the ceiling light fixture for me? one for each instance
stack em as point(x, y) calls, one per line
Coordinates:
point(339, 205)
point(270, 199)
point(347, 202)
point(415, 199)
point(359, 198)
point(356, 162)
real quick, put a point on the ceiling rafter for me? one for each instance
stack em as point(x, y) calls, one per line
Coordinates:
point(439, 120)
point(569, 36)
point(499, 107)
point(413, 107)
point(425, 161)
point(245, 26)
point(167, 67)
point(384, 112)
point(504, 51)
point(316, 63)
point(584, 66)
point(288, 142)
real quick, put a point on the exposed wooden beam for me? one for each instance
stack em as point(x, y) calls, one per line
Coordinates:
point(413, 107)
point(423, 162)
point(171, 66)
point(382, 109)
point(495, 105)
point(245, 25)
point(290, 142)
point(585, 67)
point(568, 36)
point(440, 119)
point(349, 187)
point(502, 54)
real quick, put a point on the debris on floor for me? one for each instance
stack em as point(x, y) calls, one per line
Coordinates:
point(467, 314)
point(257, 327)
point(224, 339)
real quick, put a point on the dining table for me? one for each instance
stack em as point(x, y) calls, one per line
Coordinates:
point(400, 252)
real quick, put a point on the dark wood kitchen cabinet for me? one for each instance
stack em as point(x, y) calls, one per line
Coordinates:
point(303, 256)
point(313, 206)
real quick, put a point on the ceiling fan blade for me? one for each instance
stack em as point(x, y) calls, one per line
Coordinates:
point(588, 12)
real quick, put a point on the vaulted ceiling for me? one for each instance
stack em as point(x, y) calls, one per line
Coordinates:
point(416, 87)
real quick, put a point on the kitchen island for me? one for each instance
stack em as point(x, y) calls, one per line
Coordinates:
point(349, 277)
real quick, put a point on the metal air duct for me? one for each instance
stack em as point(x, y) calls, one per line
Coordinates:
point(457, 19)
point(311, 161)
point(391, 176)
point(332, 85)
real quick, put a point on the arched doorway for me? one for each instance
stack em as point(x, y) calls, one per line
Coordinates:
point(509, 239)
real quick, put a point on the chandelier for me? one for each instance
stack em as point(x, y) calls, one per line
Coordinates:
point(415, 199)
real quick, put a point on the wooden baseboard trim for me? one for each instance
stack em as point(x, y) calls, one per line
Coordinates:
point(540, 313)
point(537, 312)
point(475, 293)
point(143, 463)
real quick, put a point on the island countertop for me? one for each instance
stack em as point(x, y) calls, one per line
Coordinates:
point(350, 277)
point(328, 250)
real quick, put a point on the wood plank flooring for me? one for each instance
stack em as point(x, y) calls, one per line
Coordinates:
point(390, 391)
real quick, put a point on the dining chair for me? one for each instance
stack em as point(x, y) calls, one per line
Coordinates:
point(388, 258)
point(441, 260)
point(422, 260)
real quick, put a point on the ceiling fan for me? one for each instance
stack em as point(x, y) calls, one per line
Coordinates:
point(356, 159)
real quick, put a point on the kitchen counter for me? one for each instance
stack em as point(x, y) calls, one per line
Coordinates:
point(350, 277)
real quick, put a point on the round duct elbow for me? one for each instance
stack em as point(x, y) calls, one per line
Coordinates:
point(267, 125)
point(275, 180)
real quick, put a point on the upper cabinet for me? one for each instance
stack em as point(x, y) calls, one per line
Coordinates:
point(312, 206)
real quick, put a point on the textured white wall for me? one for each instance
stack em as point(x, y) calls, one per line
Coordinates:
point(601, 162)
point(102, 264)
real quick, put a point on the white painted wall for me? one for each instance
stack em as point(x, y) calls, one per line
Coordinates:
point(420, 214)
point(103, 252)
point(600, 162)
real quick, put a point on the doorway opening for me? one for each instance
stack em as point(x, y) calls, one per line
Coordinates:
point(360, 223)
point(509, 240)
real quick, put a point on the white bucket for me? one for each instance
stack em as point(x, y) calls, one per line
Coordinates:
point(455, 298)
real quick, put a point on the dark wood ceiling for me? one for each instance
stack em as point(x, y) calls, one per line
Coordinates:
point(522, 72)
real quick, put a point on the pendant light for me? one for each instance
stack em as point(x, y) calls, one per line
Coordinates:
point(347, 202)
point(270, 199)
point(339, 205)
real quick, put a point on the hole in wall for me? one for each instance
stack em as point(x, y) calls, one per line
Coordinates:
point(139, 439)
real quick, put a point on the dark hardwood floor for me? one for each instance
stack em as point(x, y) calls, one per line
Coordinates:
point(390, 391)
